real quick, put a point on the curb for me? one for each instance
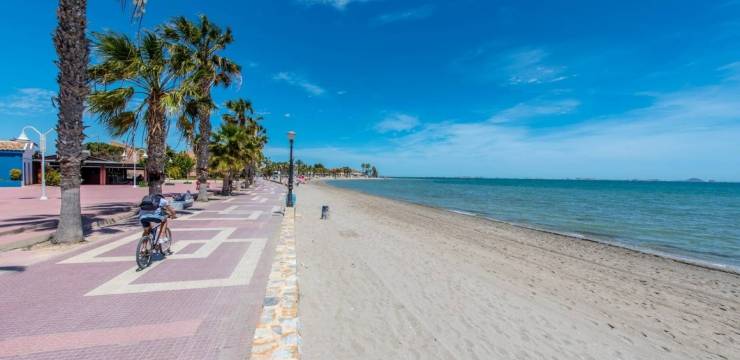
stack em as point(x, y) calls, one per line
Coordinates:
point(277, 335)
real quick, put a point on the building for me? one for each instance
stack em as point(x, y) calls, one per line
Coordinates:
point(96, 171)
point(16, 154)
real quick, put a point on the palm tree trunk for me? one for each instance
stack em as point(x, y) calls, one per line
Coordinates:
point(226, 186)
point(72, 50)
point(203, 151)
point(156, 145)
point(249, 173)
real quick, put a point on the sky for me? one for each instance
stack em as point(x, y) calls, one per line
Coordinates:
point(534, 89)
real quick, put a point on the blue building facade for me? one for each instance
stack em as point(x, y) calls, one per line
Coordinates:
point(16, 155)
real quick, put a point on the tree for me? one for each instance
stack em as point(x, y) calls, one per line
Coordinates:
point(203, 41)
point(104, 151)
point(72, 51)
point(365, 169)
point(319, 169)
point(242, 115)
point(142, 82)
point(230, 147)
point(179, 164)
point(241, 111)
point(374, 172)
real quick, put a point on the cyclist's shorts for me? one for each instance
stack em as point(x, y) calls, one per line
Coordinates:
point(149, 219)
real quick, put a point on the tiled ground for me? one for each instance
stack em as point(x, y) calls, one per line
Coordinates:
point(23, 216)
point(203, 302)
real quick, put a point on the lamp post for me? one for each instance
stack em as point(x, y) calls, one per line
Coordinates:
point(42, 147)
point(144, 156)
point(289, 202)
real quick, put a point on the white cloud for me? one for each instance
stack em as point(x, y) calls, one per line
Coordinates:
point(681, 134)
point(397, 123)
point(27, 101)
point(536, 108)
point(418, 13)
point(528, 66)
point(295, 80)
point(513, 67)
point(287, 115)
point(341, 92)
point(338, 4)
point(731, 70)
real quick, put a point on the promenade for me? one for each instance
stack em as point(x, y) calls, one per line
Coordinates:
point(24, 219)
point(203, 302)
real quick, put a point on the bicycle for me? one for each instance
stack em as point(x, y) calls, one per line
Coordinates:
point(149, 245)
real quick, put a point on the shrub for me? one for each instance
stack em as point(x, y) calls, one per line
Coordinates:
point(173, 172)
point(15, 174)
point(53, 178)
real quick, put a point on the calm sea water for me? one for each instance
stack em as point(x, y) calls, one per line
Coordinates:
point(692, 221)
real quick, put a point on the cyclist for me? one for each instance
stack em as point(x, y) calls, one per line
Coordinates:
point(154, 208)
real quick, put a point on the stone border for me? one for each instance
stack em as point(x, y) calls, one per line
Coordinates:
point(277, 335)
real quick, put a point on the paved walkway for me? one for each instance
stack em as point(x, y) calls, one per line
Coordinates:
point(26, 219)
point(203, 302)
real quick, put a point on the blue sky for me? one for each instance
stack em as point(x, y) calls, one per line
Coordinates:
point(556, 89)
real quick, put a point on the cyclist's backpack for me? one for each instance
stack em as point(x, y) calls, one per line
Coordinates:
point(150, 202)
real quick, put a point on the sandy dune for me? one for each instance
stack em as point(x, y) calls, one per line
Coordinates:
point(388, 280)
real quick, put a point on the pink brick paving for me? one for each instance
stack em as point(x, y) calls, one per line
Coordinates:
point(23, 216)
point(45, 313)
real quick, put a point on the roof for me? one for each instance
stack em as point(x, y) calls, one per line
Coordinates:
point(90, 160)
point(10, 145)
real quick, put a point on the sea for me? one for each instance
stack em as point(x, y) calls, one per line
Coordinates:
point(697, 222)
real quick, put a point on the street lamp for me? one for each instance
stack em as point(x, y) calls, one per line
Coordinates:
point(144, 156)
point(289, 202)
point(42, 147)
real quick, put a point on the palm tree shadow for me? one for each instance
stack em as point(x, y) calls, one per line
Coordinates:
point(13, 268)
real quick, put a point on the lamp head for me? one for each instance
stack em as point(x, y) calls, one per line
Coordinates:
point(291, 135)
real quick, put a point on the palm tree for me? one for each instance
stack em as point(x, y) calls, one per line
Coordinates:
point(203, 41)
point(242, 114)
point(142, 83)
point(230, 147)
point(72, 49)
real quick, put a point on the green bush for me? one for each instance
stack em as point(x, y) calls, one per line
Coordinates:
point(15, 174)
point(173, 172)
point(178, 164)
point(53, 178)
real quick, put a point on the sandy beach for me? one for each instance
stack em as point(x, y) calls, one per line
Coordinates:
point(382, 279)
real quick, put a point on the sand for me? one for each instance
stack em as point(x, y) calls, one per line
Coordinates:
point(383, 279)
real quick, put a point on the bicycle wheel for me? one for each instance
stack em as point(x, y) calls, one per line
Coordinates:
point(167, 246)
point(144, 252)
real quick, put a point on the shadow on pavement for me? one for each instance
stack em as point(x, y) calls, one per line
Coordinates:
point(13, 268)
